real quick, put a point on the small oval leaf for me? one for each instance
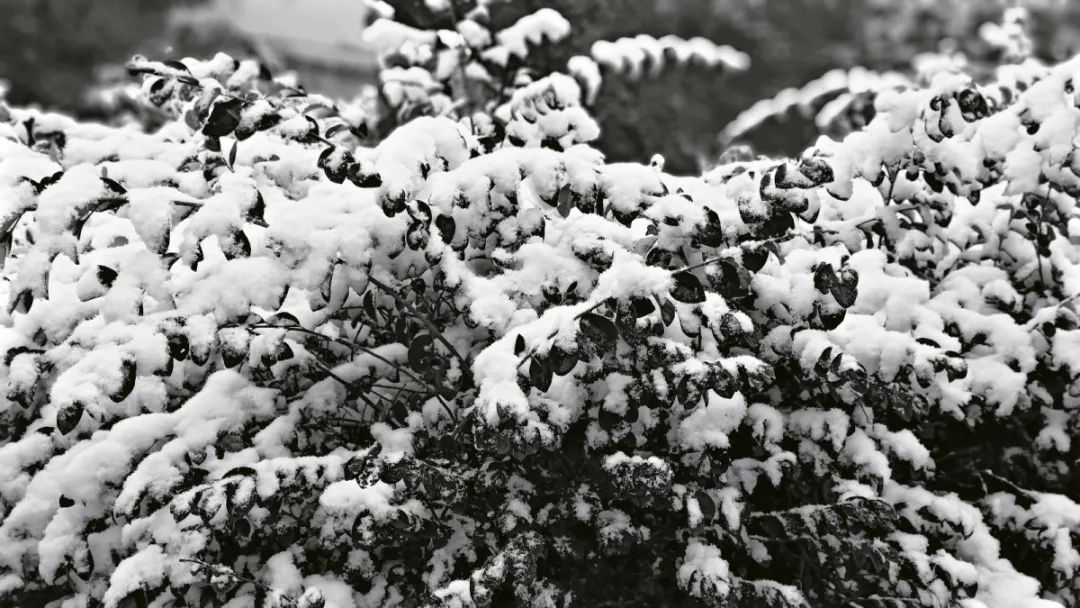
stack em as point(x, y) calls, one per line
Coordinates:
point(67, 418)
point(688, 288)
point(540, 374)
point(127, 382)
point(598, 330)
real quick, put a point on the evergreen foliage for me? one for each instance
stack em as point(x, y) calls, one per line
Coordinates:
point(427, 347)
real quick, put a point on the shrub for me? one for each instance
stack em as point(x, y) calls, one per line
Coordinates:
point(426, 348)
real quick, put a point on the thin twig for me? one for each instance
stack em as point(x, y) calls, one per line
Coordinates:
point(435, 332)
point(532, 353)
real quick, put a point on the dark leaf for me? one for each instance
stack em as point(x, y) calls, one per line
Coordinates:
point(242, 471)
point(754, 258)
point(113, 185)
point(423, 212)
point(178, 346)
point(598, 330)
point(334, 130)
point(564, 201)
point(845, 287)
point(817, 170)
point(6, 242)
point(658, 257)
point(608, 420)
point(446, 226)
point(642, 307)
point(420, 352)
point(667, 310)
point(264, 122)
point(369, 305)
point(363, 179)
point(135, 599)
point(283, 319)
point(67, 418)
point(224, 118)
point(106, 275)
point(688, 288)
point(239, 247)
point(834, 366)
point(21, 302)
point(96, 526)
point(732, 284)
point(712, 234)
point(540, 373)
point(831, 321)
point(824, 277)
point(256, 212)
point(416, 237)
point(707, 506)
point(562, 362)
point(199, 257)
point(65, 502)
point(177, 65)
point(232, 356)
point(519, 345)
point(845, 293)
point(335, 164)
point(127, 382)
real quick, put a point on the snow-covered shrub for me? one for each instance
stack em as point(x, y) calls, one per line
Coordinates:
point(842, 100)
point(645, 54)
point(430, 349)
point(845, 96)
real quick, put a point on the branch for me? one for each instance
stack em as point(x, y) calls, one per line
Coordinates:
point(532, 352)
point(435, 331)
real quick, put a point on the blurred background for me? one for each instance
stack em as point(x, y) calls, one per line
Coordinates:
point(53, 51)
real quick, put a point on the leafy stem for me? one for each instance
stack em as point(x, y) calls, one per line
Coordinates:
point(423, 318)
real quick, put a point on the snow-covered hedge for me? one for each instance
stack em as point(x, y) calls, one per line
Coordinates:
point(426, 348)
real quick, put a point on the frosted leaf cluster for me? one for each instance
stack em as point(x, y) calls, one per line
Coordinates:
point(428, 348)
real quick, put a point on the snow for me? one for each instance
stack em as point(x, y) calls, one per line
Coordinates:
point(544, 25)
point(348, 496)
point(950, 313)
point(549, 108)
point(702, 565)
point(766, 421)
point(631, 55)
point(831, 425)
point(587, 72)
point(904, 445)
point(146, 568)
point(710, 426)
point(860, 450)
point(395, 442)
